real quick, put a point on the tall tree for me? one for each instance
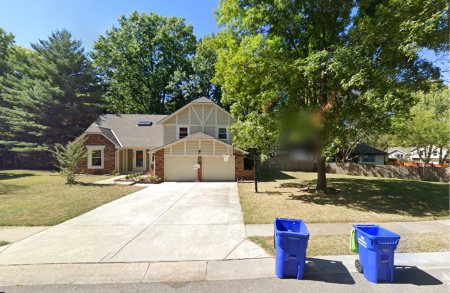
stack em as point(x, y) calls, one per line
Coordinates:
point(51, 94)
point(6, 41)
point(330, 59)
point(138, 61)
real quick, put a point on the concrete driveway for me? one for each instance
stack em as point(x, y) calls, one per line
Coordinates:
point(165, 222)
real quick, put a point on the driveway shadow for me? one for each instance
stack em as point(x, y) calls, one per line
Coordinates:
point(329, 271)
point(414, 276)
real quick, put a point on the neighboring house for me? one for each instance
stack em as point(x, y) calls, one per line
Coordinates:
point(434, 158)
point(411, 154)
point(168, 144)
point(400, 153)
point(366, 154)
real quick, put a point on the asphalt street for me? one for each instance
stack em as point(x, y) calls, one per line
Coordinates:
point(408, 280)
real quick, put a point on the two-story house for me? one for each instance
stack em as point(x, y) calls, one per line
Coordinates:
point(168, 144)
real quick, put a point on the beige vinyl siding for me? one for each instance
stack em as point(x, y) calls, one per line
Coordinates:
point(171, 120)
point(207, 148)
point(199, 111)
point(183, 117)
point(169, 133)
point(120, 158)
point(220, 148)
point(222, 117)
point(192, 147)
point(194, 118)
point(195, 129)
point(210, 130)
point(212, 118)
point(178, 148)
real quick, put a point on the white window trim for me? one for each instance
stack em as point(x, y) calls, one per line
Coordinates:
point(90, 148)
point(217, 131)
point(178, 130)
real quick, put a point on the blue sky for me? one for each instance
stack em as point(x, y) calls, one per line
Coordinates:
point(31, 20)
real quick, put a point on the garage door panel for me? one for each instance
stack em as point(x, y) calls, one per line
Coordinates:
point(180, 168)
point(215, 169)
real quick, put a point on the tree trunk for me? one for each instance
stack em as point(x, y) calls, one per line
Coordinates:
point(321, 175)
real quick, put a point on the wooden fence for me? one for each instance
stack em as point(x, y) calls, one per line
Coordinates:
point(389, 171)
point(287, 164)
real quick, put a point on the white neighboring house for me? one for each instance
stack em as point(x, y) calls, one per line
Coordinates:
point(434, 158)
point(411, 154)
point(400, 153)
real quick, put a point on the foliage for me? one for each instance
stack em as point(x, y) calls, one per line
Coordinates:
point(6, 41)
point(49, 94)
point(138, 60)
point(345, 65)
point(428, 126)
point(69, 157)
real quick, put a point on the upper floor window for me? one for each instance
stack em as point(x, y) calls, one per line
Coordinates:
point(368, 158)
point(183, 132)
point(223, 133)
point(435, 153)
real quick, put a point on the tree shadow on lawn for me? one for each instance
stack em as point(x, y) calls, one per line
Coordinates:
point(274, 175)
point(414, 198)
point(8, 175)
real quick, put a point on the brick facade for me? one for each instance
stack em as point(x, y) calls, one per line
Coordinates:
point(109, 155)
point(240, 173)
point(201, 167)
point(159, 163)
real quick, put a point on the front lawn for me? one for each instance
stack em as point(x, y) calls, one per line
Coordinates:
point(41, 198)
point(359, 199)
point(321, 245)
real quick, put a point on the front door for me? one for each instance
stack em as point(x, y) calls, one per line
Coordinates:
point(139, 160)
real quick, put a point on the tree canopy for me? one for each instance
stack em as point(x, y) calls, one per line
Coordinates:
point(49, 95)
point(338, 62)
point(138, 61)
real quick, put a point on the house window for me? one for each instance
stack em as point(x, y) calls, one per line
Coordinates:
point(399, 156)
point(95, 158)
point(183, 132)
point(223, 133)
point(368, 158)
point(435, 153)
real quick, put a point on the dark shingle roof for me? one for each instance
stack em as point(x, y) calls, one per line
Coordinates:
point(364, 149)
point(123, 129)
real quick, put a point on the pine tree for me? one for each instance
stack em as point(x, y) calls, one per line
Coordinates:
point(50, 94)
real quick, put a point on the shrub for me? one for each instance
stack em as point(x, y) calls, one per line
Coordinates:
point(127, 177)
point(69, 157)
point(142, 179)
point(117, 173)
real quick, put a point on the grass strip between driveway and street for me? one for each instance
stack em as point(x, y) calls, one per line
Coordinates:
point(41, 198)
point(359, 199)
point(322, 245)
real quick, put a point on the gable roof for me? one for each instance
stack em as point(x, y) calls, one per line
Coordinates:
point(403, 150)
point(122, 129)
point(364, 149)
point(200, 101)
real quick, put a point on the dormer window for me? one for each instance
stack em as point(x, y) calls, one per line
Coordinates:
point(183, 132)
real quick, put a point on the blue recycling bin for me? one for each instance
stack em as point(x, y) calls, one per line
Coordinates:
point(376, 252)
point(291, 240)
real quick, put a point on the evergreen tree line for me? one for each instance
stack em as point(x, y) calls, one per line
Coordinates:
point(148, 64)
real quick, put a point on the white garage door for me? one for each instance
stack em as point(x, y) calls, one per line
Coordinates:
point(215, 169)
point(180, 168)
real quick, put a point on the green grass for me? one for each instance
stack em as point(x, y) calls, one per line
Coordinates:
point(340, 244)
point(359, 199)
point(41, 198)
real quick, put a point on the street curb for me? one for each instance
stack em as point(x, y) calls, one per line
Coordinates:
point(194, 271)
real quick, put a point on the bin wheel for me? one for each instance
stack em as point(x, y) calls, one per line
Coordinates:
point(358, 266)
